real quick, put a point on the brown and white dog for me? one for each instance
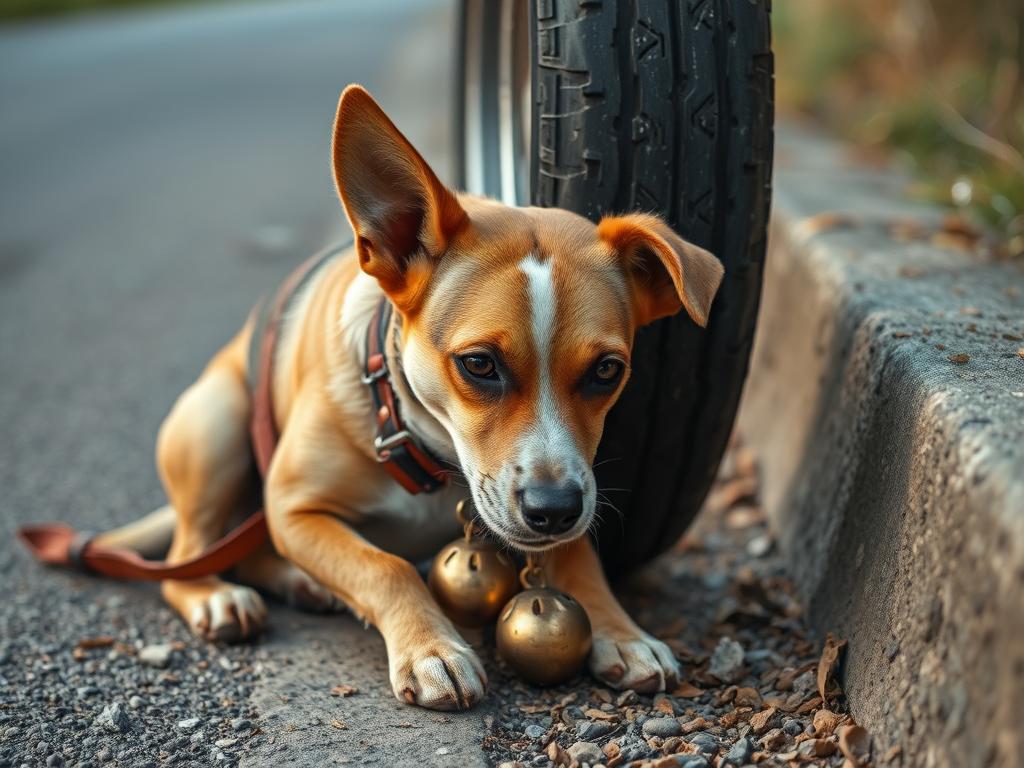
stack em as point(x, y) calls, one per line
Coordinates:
point(513, 327)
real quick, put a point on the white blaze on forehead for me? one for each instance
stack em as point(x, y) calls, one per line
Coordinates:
point(548, 442)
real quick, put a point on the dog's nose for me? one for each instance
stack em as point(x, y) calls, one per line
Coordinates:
point(551, 509)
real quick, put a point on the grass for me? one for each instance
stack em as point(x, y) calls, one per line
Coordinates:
point(18, 10)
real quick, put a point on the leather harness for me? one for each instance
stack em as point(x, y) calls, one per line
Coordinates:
point(398, 450)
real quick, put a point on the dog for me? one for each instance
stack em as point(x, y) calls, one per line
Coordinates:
point(510, 341)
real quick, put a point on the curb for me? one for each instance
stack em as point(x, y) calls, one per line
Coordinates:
point(886, 403)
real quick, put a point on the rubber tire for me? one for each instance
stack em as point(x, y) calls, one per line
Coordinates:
point(666, 107)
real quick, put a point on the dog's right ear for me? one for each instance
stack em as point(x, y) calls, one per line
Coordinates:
point(402, 215)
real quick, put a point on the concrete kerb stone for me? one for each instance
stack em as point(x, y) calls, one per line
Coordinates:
point(886, 401)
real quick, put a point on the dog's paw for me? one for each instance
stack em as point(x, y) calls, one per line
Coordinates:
point(634, 661)
point(444, 673)
point(230, 613)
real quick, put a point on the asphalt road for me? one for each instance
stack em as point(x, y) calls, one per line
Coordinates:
point(158, 172)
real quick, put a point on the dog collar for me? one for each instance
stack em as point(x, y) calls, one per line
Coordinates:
point(404, 457)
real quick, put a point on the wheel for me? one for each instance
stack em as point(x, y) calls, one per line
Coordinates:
point(605, 106)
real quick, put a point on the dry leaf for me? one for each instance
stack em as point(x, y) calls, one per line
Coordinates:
point(599, 714)
point(760, 721)
point(1020, 352)
point(828, 663)
point(825, 722)
point(809, 706)
point(664, 704)
point(557, 755)
point(344, 690)
point(823, 222)
point(687, 691)
point(695, 725)
point(855, 742)
point(817, 748)
point(959, 358)
point(95, 642)
point(774, 739)
point(747, 697)
point(339, 724)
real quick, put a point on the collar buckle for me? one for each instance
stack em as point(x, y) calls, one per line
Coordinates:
point(383, 445)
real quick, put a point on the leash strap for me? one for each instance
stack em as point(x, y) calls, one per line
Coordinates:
point(398, 451)
point(59, 544)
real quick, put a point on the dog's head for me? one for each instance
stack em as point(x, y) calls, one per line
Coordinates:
point(517, 323)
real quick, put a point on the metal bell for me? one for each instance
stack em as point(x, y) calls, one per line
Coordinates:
point(471, 579)
point(543, 634)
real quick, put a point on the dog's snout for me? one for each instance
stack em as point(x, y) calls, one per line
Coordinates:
point(551, 509)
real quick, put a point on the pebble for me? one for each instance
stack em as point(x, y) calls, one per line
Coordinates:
point(705, 742)
point(241, 724)
point(740, 752)
point(114, 718)
point(189, 724)
point(662, 726)
point(136, 702)
point(534, 731)
point(727, 661)
point(86, 691)
point(224, 743)
point(793, 727)
point(693, 761)
point(586, 752)
point(158, 655)
point(589, 730)
point(54, 761)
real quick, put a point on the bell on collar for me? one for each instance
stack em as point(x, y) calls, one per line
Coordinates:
point(471, 579)
point(542, 633)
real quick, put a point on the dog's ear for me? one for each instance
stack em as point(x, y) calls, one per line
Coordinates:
point(402, 215)
point(667, 273)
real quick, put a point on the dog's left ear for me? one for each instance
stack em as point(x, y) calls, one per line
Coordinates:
point(402, 215)
point(667, 273)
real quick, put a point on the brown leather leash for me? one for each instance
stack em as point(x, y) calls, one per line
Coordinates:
point(401, 454)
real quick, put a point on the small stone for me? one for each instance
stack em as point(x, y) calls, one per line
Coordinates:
point(54, 761)
point(759, 546)
point(740, 752)
point(774, 739)
point(625, 698)
point(442, 751)
point(535, 731)
point(662, 726)
point(586, 752)
point(705, 742)
point(589, 730)
point(806, 682)
point(86, 691)
point(224, 743)
point(158, 655)
point(104, 756)
point(189, 724)
point(727, 661)
point(114, 718)
point(136, 702)
point(241, 724)
point(198, 737)
point(693, 761)
point(12, 732)
point(793, 727)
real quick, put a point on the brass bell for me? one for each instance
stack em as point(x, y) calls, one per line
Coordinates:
point(471, 579)
point(543, 634)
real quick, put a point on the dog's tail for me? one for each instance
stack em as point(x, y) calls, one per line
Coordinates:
point(150, 536)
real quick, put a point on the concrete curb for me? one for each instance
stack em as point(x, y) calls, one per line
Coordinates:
point(894, 466)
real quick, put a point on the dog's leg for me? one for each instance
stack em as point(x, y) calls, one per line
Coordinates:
point(205, 462)
point(624, 656)
point(267, 570)
point(429, 662)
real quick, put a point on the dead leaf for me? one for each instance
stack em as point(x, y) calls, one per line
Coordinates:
point(599, 714)
point(826, 722)
point(344, 690)
point(557, 755)
point(760, 721)
point(89, 643)
point(601, 695)
point(809, 706)
point(339, 724)
point(747, 697)
point(730, 718)
point(687, 691)
point(774, 739)
point(855, 742)
point(828, 663)
point(817, 748)
point(960, 358)
point(694, 725)
point(664, 704)
point(1020, 352)
point(823, 222)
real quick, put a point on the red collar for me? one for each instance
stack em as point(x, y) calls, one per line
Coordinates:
point(398, 450)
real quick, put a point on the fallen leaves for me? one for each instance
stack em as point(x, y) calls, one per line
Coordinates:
point(344, 691)
point(339, 724)
point(687, 691)
point(960, 358)
point(855, 744)
point(828, 663)
point(760, 721)
point(825, 722)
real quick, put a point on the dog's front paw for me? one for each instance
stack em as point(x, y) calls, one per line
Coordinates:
point(633, 660)
point(439, 673)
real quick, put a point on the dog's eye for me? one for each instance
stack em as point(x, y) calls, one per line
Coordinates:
point(604, 376)
point(479, 366)
point(608, 370)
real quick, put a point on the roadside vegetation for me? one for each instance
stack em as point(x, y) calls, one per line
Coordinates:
point(939, 82)
point(16, 10)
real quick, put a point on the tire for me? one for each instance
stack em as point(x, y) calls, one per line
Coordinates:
point(658, 106)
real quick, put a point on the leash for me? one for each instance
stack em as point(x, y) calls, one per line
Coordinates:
point(407, 461)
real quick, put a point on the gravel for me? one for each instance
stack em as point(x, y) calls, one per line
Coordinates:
point(662, 726)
